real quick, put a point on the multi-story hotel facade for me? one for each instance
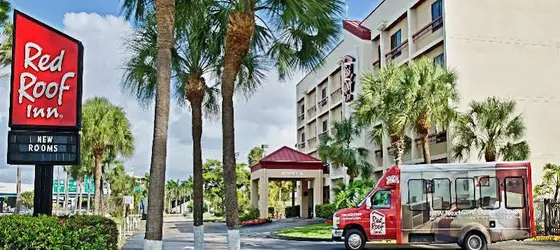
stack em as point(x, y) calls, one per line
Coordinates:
point(504, 48)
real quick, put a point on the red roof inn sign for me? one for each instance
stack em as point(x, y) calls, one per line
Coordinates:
point(348, 78)
point(45, 95)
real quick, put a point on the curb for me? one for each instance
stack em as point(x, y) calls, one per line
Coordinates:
point(280, 237)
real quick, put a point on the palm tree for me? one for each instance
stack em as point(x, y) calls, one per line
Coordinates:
point(292, 34)
point(551, 179)
point(435, 98)
point(196, 53)
point(7, 33)
point(352, 194)
point(385, 100)
point(79, 173)
point(105, 130)
point(338, 150)
point(255, 155)
point(66, 191)
point(165, 20)
point(492, 127)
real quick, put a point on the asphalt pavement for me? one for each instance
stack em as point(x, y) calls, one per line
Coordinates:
point(178, 235)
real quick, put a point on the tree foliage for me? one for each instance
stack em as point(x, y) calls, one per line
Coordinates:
point(493, 128)
point(352, 194)
point(339, 151)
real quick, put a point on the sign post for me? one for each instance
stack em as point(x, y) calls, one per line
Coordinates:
point(45, 103)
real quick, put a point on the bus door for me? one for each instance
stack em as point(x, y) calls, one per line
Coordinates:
point(383, 216)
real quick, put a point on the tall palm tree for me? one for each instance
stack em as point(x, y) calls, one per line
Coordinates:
point(338, 150)
point(165, 20)
point(66, 191)
point(105, 130)
point(292, 34)
point(385, 100)
point(195, 55)
point(435, 99)
point(491, 127)
point(80, 173)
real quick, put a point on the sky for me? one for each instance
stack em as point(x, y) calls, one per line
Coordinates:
point(267, 117)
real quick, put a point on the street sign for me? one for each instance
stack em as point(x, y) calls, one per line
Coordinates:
point(43, 148)
point(46, 83)
point(88, 186)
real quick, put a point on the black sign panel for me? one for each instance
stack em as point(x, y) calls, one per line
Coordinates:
point(43, 148)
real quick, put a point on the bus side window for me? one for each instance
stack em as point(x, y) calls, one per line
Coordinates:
point(417, 195)
point(489, 190)
point(465, 193)
point(441, 195)
point(514, 192)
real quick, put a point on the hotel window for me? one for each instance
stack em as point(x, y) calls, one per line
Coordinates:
point(395, 42)
point(302, 108)
point(437, 13)
point(302, 137)
point(439, 60)
point(325, 125)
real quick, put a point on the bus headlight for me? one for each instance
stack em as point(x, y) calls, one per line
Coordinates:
point(335, 222)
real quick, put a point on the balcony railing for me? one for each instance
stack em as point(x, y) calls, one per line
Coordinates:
point(433, 138)
point(432, 26)
point(377, 64)
point(301, 145)
point(312, 143)
point(336, 96)
point(312, 111)
point(397, 51)
point(323, 102)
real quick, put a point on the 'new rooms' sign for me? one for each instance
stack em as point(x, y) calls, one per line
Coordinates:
point(46, 77)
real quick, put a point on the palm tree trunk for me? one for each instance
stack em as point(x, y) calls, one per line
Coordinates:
point(98, 188)
point(66, 191)
point(88, 195)
point(195, 94)
point(79, 204)
point(240, 29)
point(397, 146)
point(18, 190)
point(426, 148)
point(165, 14)
point(556, 190)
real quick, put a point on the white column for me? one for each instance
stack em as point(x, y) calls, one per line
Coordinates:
point(411, 14)
point(317, 194)
point(304, 204)
point(263, 197)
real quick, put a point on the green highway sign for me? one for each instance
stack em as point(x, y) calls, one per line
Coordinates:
point(73, 185)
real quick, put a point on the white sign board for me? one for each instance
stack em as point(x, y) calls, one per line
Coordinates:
point(128, 200)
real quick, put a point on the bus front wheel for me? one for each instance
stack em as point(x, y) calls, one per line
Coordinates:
point(354, 239)
point(474, 241)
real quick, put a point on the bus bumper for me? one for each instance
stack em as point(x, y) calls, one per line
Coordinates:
point(337, 235)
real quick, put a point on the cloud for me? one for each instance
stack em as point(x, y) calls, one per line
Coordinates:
point(268, 117)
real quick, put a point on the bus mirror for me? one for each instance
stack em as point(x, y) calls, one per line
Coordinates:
point(368, 202)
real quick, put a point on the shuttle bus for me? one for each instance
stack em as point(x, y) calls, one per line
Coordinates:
point(472, 205)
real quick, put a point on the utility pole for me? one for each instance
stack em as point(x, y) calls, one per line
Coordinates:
point(18, 190)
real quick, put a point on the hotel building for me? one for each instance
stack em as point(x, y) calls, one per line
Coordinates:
point(504, 48)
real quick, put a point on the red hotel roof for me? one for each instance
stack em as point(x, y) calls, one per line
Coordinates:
point(287, 154)
point(356, 28)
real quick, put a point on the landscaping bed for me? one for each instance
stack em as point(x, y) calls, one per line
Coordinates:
point(253, 222)
point(320, 231)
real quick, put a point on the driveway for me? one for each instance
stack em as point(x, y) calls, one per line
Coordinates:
point(178, 235)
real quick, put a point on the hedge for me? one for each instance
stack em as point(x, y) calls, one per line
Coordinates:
point(47, 232)
point(325, 211)
point(252, 214)
point(292, 212)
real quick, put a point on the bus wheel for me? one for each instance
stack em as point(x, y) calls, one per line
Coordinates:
point(474, 241)
point(354, 239)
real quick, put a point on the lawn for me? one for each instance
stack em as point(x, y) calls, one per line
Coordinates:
point(317, 231)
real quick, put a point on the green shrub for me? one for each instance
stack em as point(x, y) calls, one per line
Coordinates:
point(292, 212)
point(46, 232)
point(252, 214)
point(325, 211)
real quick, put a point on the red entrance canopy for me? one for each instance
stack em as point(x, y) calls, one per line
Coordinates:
point(288, 158)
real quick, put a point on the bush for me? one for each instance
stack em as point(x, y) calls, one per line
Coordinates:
point(292, 212)
point(325, 211)
point(252, 214)
point(46, 232)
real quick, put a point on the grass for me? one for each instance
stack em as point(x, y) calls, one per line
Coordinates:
point(316, 231)
point(546, 238)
